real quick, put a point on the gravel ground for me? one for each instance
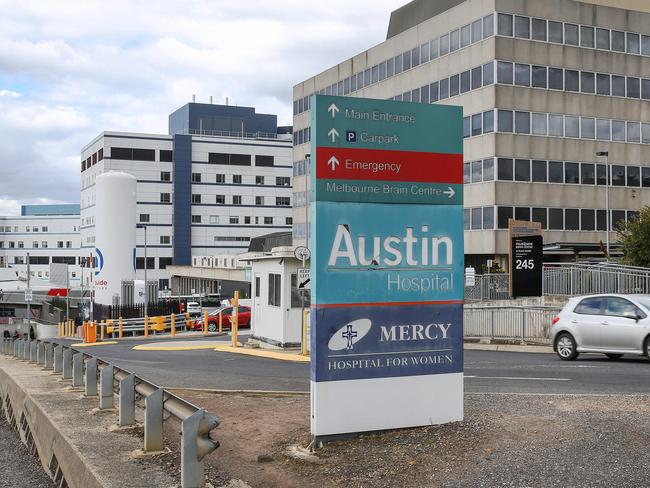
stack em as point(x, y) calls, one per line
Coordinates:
point(18, 469)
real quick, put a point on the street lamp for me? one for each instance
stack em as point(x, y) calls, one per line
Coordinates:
point(146, 291)
point(605, 154)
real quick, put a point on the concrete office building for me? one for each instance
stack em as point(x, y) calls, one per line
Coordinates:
point(545, 85)
point(49, 233)
point(221, 176)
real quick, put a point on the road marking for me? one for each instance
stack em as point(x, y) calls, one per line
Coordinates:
point(263, 353)
point(516, 378)
point(90, 344)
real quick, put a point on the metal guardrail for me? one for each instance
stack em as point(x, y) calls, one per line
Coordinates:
point(524, 324)
point(100, 378)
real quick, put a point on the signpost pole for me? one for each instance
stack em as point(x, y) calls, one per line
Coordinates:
point(67, 295)
point(29, 292)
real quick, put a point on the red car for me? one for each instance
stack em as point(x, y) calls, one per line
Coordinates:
point(213, 319)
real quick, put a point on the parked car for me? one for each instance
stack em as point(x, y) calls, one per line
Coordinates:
point(193, 308)
point(213, 319)
point(610, 324)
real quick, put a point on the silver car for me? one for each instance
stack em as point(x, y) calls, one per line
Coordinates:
point(610, 324)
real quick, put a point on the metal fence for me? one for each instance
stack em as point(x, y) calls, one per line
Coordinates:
point(165, 307)
point(523, 324)
point(102, 379)
point(488, 287)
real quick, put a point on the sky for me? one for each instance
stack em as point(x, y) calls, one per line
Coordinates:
point(72, 69)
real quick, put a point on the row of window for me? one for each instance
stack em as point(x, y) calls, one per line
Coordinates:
point(246, 220)
point(237, 200)
point(35, 244)
point(240, 159)
point(302, 136)
point(28, 228)
point(564, 172)
point(92, 160)
point(563, 219)
point(571, 80)
point(450, 42)
point(557, 125)
point(236, 179)
point(302, 167)
point(570, 34)
point(71, 260)
point(151, 263)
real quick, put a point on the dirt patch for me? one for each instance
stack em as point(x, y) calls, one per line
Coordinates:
point(505, 440)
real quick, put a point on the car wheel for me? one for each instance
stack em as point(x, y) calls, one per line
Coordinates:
point(566, 348)
point(646, 348)
point(212, 327)
point(614, 356)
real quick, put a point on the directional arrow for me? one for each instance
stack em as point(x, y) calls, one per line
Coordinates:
point(333, 109)
point(304, 283)
point(449, 192)
point(333, 162)
point(333, 134)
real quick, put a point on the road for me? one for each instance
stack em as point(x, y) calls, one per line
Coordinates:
point(485, 371)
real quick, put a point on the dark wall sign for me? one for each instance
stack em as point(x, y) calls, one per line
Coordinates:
point(526, 266)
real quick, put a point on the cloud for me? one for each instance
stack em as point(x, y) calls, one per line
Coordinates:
point(69, 70)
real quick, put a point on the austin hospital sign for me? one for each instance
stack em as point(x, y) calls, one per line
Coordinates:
point(387, 265)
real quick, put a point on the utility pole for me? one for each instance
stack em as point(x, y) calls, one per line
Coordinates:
point(29, 302)
point(607, 217)
point(146, 284)
point(67, 294)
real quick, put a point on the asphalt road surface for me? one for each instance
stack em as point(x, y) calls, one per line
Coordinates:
point(485, 371)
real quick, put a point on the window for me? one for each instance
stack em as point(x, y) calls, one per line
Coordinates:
point(165, 239)
point(488, 170)
point(196, 177)
point(602, 84)
point(259, 200)
point(454, 85)
point(196, 219)
point(556, 172)
point(504, 25)
point(603, 127)
point(522, 213)
point(571, 126)
point(282, 202)
point(539, 171)
point(220, 178)
point(555, 33)
point(587, 82)
point(522, 170)
point(589, 306)
point(282, 181)
point(488, 26)
point(220, 199)
point(633, 43)
point(488, 122)
point(555, 79)
point(165, 176)
point(467, 173)
point(587, 219)
point(618, 86)
point(633, 87)
point(476, 170)
point(477, 30)
point(144, 218)
point(454, 40)
point(139, 263)
point(504, 169)
point(196, 198)
point(587, 173)
point(488, 74)
point(434, 50)
point(465, 35)
point(522, 123)
point(268, 220)
point(633, 132)
point(166, 156)
point(645, 177)
point(444, 88)
point(571, 80)
point(571, 34)
point(488, 217)
point(236, 179)
point(476, 218)
point(466, 126)
point(587, 36)
point(600, 174)
point(571, 173)
point(505, 121)
point(214, 219)
point(620, 307)
point(466, 218)
point(633, 176)
point(275, 287)
point(618, 175)
point(539, 126)
point(465, 81)
point(406, 64)
point(503, 215)
point(522, 74)
point(645, 46)
point(522, 27)
point(263, 160)
point(645, 89)
point(602, 39)
point(539, 215)
point(555, 219)
point(587, 128)
point(538, 30)
point(259, 180)
point(504, 72)
point(618, 217)
point(444, 48)
point(165, 198)
point(539, 76)
point(477, 124)
point(236, 199)
point(556, 125)
point(59, 244)
point(618, 41)
point(233, 220)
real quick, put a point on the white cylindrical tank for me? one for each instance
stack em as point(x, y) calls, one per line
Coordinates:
point(115, 211)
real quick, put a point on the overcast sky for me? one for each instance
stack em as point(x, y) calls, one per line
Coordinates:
point(71, 69)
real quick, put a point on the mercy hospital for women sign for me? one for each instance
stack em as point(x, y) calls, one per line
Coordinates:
point(387, 265)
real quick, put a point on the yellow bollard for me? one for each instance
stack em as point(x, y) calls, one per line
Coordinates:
point(71, 328)
point(220, 322)
point(234, 320)
point(205, 323)
point(102, 326)
point(59, 330)
point(173, 325)
point(119, 333)
point(146, 326)
point(304, 351)
point(187, 320)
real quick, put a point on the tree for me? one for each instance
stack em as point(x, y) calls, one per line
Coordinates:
point(634, 237)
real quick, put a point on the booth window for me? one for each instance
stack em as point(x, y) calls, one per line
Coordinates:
point(296, 293)
point(275, 287)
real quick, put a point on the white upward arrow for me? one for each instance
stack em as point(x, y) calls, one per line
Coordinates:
point(333, 133)
point(449, 192)
point(333, 109)
point(333, 162)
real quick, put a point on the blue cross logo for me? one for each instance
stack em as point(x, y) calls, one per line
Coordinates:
point(349, 334)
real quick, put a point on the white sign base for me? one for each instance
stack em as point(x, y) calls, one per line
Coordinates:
point(385, 403)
